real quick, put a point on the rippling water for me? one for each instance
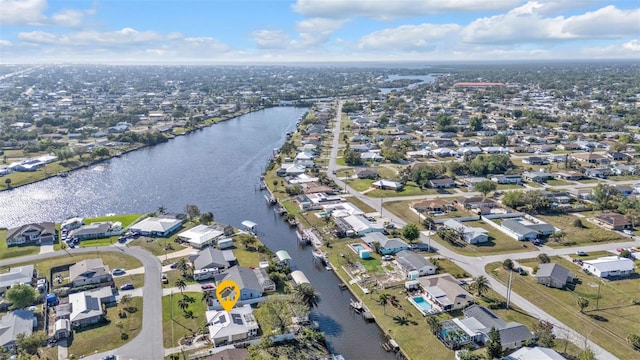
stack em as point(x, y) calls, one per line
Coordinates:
point(217, 169)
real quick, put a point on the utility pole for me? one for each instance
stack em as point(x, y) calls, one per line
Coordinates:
point(509, 289)
point(598, 297)
point(429, 246)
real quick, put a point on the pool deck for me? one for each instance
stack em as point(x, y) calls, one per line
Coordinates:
point(434, 308)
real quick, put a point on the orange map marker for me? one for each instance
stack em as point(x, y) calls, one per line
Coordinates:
point(228, 293)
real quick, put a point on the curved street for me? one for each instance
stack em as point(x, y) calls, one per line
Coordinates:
point(476, 265)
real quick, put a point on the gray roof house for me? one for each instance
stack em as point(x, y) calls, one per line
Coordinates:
point(518, 231)
point(445, 291)
point(477, 323)
point(247, 280)
point(14, 323)
point(31, 234)
point(387, 246)
point(212, 258)
point(90, 271)
point(411, 261)
point(553, 275)
point(17, 275)
point(472, 235)
point(86, 306)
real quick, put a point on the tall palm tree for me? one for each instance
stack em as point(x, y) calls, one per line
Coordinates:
point(307, 295)
point(183, 304)
point(181, 284)
point(481, 284)
point(384, 300)
point(208, 297)
point(161, 210)
point(434, 324)
point(183, 265)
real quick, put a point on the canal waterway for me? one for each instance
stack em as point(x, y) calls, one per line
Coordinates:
point(217, 169)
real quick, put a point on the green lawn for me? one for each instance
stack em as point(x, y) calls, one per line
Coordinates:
point(107, 337)
point(15, 251)
point(125, 219)
point(509, 187)
point(402, 210)
point(589, 233)
point(609, 325)
point(557, 182)
point(181, 326)
point(361, 205)
point(113, 260)
point(136, 279)
point(359, 184)
point(409, 189)
point(498, 243)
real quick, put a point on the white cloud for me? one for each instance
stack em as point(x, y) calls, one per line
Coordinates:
point(527, 24)
point(5, 43)
point(125, 36)
point(633, 45)
point(407, 36)
point(391, 9)
point(315, 31)
point(22, 12)
point(68, 18)
point(270, 39)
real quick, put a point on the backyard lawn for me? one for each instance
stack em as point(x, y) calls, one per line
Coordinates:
point(107, 337)
point(608, 325)
point(125, 219)
point(589, 233)
point(181, 325)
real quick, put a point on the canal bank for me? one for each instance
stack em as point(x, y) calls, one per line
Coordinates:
point(217, 169)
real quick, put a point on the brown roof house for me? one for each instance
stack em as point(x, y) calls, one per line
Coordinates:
point(613, 221)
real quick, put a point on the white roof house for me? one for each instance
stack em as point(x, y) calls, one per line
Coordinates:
point(154, 226)
point(609, 266)
point(238, 324)
point(360, 225)
point(472, 235)
point(387, 184)
point(534, 353)
point(200, 236)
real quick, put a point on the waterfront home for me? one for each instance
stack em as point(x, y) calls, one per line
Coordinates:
point(16, 275)
point(229, 327)
point(212, 258)
point(553, 275)
point(246, 279)
point(290, 170)
point(97, 230)
point(613, 221)
point(71, 223)
point(357, 225)
point(13, 324)
point(200, 236)
point(534, 353)
point(472, 235)
point(31, 234)
point(157, 226)
point(387, 246)
point(609, 266)
point(89, 271)
point(85, 308)
point(445, 291)
point(387, 185)
point(267, 284)
point(476, 325)
point(412, 262)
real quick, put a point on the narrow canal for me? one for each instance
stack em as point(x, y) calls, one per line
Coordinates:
point(218, 170)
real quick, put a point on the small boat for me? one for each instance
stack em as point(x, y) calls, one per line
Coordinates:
point(317, 254)
point(342, 286)
point(328, 267)
point(356, 305)
point(63, 174)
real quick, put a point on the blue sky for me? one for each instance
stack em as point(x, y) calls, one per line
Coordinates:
point(273, 31)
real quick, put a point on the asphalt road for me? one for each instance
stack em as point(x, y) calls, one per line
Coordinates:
point(476, 265)
point(148, 344)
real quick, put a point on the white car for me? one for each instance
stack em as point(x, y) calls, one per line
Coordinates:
point(627, 231)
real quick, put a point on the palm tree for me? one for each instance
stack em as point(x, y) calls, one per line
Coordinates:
point(582, 303)
point(208, 297)
point(161, 210)
point(434, 324)
point(183, 304)
point(384, 300)
point(183, 266)
point(181, 284)
point(481, 284)
point(307, 295)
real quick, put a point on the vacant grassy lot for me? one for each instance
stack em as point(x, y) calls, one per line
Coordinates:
point(557, 182)
point(361, 205)
point(589, 233)
point(608, 324)
point(113, 260)
point(402, 210)
point(15, 251)
point(107, 337)
point(410, 189)
point(176, 327)
point(498, 243)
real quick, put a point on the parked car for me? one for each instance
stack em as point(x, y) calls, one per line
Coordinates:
point(118, 272)
point(173, 265)
point(127, 286)
point(109, 357)
point(521, 271)
point(387, 258)
point(581, 253)
point(419, 246)
point(627, 231)
point(207, 286)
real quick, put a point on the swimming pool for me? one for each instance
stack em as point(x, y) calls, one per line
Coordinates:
point(357, 247)
point(422, 303)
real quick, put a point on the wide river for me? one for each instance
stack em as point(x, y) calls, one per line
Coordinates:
point(217, 169)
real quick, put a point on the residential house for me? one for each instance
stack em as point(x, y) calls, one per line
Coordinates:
point(86, 306)
point(200, 236)
point(568, 175)
point(537, 176)
point(523, 230)
point(431, 206)
point(97, 230)
point(212, 258)
point(358, 225)
point(609, 266)
point(13, 324)
point(89, 271)
point(600, 173)
point(624, 170)
point(613, 221)
point(507, 179)
point(387, 246)
point(267, 284)
point(625, 190)
point(229, 327)
point(250, 287)
point(591, 158)
point(446, 292)
point(371, 156)
point(444, 183)
point(478, 202)
point(71, 223)
point(31, 234)
point(366, 173)
point(476, 325)
point(534, 353)
point(472, 235)
point(387, 185)
point(157, 226)
point(616, 156)
point(471, 181)
point(553, 275)
point(535, 160)
point(16, 275)
point(410, 261)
